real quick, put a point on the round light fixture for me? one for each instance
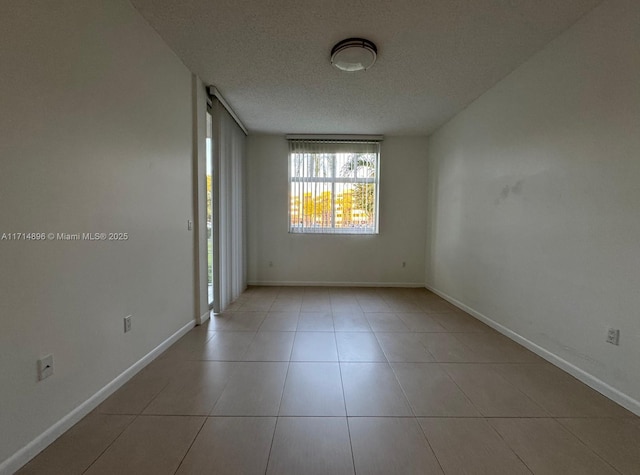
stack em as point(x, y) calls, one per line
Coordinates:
point(354, 54)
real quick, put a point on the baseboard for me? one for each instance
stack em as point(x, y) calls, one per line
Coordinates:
point(203, 318)
point(315, 283)
point(37, 445)
point(590, 380)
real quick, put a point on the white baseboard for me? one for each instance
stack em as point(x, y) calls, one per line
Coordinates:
point(203, 318)
point(37, 445)
point(315, 283)
point(590, 380)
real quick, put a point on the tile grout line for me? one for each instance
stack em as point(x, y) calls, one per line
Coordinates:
point(509, 383)
point(344, 397)
point(507, 445)
point(415, 418)
point(110, 444)
point(275, 427)
point(191, 445)
point(346, 413)
point(579, 439)
point(468, 398)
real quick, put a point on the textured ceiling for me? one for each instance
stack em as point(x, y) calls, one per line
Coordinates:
point(270, 58)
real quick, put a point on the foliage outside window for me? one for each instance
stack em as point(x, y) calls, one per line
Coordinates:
point(333, 186)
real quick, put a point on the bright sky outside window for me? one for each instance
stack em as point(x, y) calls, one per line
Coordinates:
point(333, 186)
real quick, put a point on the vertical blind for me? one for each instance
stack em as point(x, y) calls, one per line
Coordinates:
point(229, 224)
point(333, 186)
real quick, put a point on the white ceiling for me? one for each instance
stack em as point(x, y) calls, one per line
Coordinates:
point(270, 58)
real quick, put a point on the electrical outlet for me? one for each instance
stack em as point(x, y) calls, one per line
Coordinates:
point(127, 323)
point(189, 225)
point(613, 336)
point(45, 367)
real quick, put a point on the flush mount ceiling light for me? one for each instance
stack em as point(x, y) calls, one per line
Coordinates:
point(354, 54)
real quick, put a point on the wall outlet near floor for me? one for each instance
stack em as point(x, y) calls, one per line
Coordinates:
point(189, 225)
point(127, 323)
point(45, 367)
point(613, 336)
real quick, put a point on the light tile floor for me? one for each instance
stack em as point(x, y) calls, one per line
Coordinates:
point(348, 380)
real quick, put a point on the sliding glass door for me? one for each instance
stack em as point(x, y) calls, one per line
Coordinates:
point(225, 212)
point(210, 197)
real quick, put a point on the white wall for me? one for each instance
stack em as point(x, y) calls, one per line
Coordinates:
point(534, 217)
point(95, 136)
point(318, 259)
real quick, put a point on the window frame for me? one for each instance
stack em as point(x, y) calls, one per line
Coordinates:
point(334, 179)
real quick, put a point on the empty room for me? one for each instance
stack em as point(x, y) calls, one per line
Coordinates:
point(320, 237)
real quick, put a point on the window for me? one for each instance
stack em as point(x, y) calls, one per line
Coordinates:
point(333, 186)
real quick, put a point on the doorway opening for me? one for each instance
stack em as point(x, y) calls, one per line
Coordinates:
point(209, 220)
